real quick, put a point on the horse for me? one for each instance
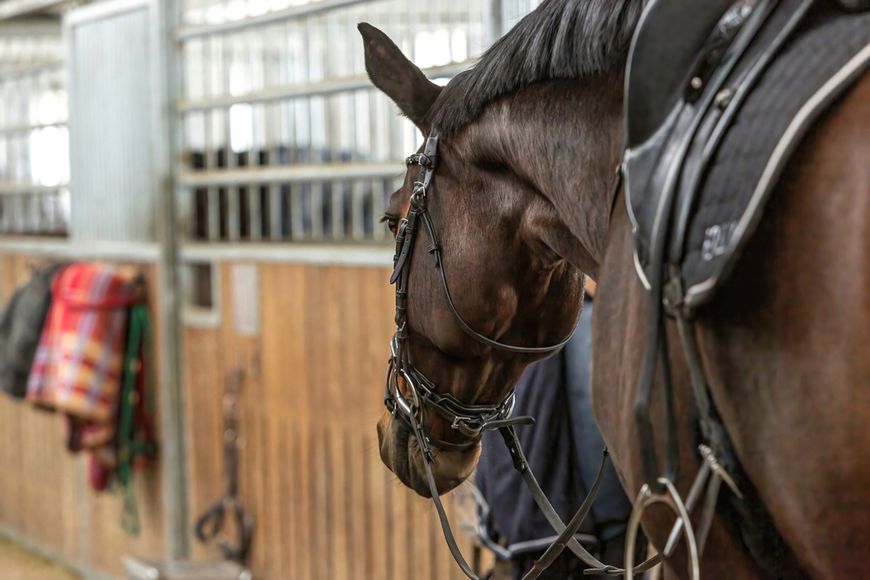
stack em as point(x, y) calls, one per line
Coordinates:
point(522, 206)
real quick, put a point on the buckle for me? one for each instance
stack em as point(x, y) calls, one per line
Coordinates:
point(457, 420)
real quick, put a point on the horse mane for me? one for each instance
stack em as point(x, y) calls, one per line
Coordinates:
point(561, 39)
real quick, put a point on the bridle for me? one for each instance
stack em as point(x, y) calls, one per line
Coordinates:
point(471, 421)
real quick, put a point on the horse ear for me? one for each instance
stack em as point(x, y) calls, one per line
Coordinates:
point(397, 76)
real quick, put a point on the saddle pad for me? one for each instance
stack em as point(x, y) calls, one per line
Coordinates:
point(817, 67)
point(740, 161)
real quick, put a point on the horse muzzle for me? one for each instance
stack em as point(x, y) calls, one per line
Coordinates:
point(401, 454)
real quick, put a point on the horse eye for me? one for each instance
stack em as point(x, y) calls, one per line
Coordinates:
point(392, 222)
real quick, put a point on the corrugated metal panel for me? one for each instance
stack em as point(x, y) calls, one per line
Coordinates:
point(111, 164)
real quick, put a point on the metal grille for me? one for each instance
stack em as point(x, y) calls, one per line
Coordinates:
point(34, 150)
point(284, 139)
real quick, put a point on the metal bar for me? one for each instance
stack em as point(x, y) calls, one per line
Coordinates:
point(91, 12)
point(212, 201)
point(11, 8)
point(187, 32)
point(212, 198)
point(316, 200)
point(289, 174)
point(295, 207)
point(7, 188)
point(255, 213)
point(255, 49)
point(168, 132)
point(131, 251)
point(233, 206)
point(31, 69)
point(35, 28)
point(18, 129)
point(336, 206)
point(378, 229)
point(351, 253)
point(357, 213)
point(275, 212)
point(321, 88)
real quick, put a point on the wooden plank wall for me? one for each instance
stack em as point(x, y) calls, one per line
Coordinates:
point(325, 506)
point(44, 494)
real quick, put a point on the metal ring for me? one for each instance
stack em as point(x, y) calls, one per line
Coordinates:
point(402, 404)
point(672, 499)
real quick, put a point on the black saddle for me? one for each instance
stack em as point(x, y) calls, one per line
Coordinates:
point(719, 94)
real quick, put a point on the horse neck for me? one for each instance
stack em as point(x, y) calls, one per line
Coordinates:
point(565, 139)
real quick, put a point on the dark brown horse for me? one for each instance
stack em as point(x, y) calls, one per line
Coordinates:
point(522, 202)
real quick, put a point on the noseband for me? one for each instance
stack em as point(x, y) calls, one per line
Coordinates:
point(469, 420)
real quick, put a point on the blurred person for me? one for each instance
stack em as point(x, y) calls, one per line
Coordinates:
point(564, 450)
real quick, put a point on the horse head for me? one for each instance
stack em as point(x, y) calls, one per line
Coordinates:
point(489, 277)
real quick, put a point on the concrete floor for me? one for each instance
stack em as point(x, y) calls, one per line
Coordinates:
point(16, 563)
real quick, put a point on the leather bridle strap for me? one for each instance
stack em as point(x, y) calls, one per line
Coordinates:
point(435, 250)
point(566, 536)
point(566, 533)
point(427, 163)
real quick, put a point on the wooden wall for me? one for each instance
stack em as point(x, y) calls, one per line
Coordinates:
point(325, 506)
point(44, 495)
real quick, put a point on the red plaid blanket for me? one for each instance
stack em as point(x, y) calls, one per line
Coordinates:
point(77, 367)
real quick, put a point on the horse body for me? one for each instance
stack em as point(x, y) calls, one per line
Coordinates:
point(784, 345)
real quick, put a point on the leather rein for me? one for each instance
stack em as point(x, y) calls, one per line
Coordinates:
point(469, 420)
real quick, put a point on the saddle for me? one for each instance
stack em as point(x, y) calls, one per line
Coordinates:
point(719, 95)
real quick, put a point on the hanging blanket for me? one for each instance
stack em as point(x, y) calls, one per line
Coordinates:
point(21, 328)
point(78, 364)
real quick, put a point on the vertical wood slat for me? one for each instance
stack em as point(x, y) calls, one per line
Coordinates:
point(325, 506)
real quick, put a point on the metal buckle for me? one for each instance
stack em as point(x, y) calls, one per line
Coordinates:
point(717, 468)
point(457, 420)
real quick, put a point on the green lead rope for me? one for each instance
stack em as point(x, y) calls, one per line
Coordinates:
point(131, 443)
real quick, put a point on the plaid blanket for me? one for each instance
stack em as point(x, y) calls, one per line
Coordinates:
point(77, 368)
